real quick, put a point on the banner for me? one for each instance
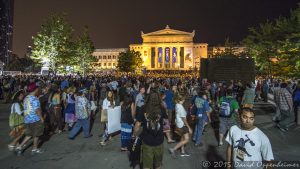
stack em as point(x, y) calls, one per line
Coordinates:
point(174, 55)
point(167, 55)
point(159, 55)
point(114, 119)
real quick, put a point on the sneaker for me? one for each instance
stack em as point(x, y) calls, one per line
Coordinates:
point(280, 128)
point(172, 152)
point(185, 154)
point(199, 145)
point(11, 147)
point(220, 144)
point(19, 151)
point(102, 143)
point(36, 151)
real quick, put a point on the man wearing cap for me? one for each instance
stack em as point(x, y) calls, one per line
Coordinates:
point(82, 113)
point(34, 121)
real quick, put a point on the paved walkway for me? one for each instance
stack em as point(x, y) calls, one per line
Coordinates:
point(61, 153)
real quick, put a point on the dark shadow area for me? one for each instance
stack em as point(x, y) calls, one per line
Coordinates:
point(214, 158)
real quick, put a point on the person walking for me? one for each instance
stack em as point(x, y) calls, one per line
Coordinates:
point(247, 146)
point(285, 105)
point(184, 130)
point(248, 97)
point(82, 112)
point(152, 135)
point(127, 119)
point(228, 109)
point(33, 119)
point(16, 120)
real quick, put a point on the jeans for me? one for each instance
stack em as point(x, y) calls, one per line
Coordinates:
point(198, 130)
point(85, 124)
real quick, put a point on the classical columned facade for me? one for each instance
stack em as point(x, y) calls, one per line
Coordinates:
point(170, 49)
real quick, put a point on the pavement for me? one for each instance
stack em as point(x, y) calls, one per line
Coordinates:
point(82, 153)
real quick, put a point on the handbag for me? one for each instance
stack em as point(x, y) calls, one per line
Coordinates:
point(103, 115)
point(93, 106)
point(17, 131)
point(15, 119)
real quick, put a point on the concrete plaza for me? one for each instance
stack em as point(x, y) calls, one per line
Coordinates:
point(81, 153)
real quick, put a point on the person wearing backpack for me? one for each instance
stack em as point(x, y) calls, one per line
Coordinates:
point(202, 108)
point(228, 112)
point(16, 119)
point(152, 135)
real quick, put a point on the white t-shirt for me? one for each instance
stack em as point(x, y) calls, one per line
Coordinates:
point(16, 108)
point(180, 113)
point(249, 147)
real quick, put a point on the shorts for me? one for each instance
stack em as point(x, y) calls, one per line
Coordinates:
point(152, 155)
point(225, 124)
point(181, 131)
point(35, 129)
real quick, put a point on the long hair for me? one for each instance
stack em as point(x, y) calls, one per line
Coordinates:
point(126, 103)
point(112, 98)
point(153, 105)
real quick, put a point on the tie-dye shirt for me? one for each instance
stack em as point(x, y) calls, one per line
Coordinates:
point(82, 107)
point(31, 104)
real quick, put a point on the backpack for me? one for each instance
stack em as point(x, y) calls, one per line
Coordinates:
point(153, 126)
point(15, 119)
point(225, 110)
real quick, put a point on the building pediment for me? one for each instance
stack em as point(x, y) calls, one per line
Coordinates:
point(168, 32)
point(168, 35)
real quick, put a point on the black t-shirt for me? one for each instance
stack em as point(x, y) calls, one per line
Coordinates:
point(126, 116)
point(149, 137)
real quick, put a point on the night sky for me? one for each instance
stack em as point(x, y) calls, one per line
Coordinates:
point(118, 23)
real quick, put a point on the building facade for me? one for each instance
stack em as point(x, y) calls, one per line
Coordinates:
point(213, 51)
point(6, 29)
point(166, 49)
point(170, 49)
point(107, 59)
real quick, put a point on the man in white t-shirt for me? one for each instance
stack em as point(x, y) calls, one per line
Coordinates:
point(248, 146)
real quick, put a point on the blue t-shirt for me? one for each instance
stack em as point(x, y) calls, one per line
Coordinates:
point(169, 99)
point(201, 105)
point(31, 104)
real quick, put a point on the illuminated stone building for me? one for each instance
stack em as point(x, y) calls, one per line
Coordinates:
point(166, 49)
point(213, 51)
point(170, 49)
point(107, 59)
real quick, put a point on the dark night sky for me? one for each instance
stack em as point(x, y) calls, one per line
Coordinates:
point(118, 23)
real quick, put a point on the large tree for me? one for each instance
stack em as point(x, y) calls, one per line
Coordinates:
point(276, 45)
point(51, 46)
point(84, 48)
point(129, 61)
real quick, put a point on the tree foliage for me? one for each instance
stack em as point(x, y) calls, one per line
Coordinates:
point(84, 48)
point(21, 64)
point(276, 45)
point(129, 61)
point(52, 43)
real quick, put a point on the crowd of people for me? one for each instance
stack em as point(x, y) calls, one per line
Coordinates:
point(152, 108)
